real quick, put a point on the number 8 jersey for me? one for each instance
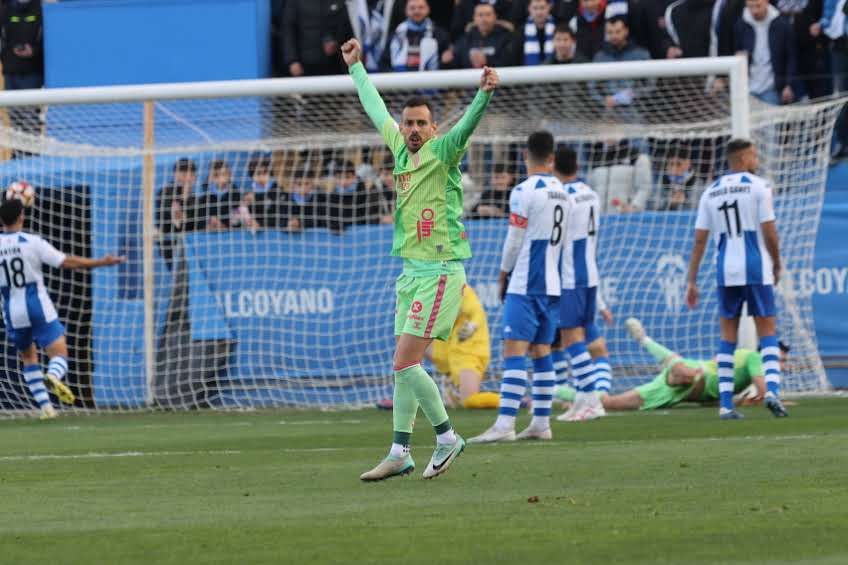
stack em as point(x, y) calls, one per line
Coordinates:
point(579, 267)
point(540, 207)
point(733, 209)
point(25, 300)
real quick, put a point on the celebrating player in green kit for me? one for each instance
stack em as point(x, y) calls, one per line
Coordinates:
point(431, 239)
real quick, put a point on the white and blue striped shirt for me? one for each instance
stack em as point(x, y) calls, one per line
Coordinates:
point(540, 207)
point(734, 208)
point(579, 266)
point(26, 303)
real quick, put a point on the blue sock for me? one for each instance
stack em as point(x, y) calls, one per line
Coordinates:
point(582, 367)
point(604, 372)
point(560, 362)
point(513, 387)
point(771, 363)
point(35, 381)
point(724, 360)
point(543, 390)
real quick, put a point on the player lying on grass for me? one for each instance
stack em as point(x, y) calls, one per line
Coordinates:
point(28, 313)
point(433, 243)
point(688, 380)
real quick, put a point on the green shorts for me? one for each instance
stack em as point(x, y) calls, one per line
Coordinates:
point(428, 300)
point(659, 394)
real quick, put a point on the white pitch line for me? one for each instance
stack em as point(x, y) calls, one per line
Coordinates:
point(317, 422)
point(120, 454)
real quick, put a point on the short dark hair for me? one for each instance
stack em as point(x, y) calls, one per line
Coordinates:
point(185, 165)
point(302, 173)
point(415, 101)
point(10, 211)
point(259, 162)
point(617, 19)
point(479, 3)
point(388, 162)
point(502, 168)
point(565, 161)
point(217, 165)
point(679, 152)
point(564, 28)
point(540, 145)
point(343, 167)
point(737, 145)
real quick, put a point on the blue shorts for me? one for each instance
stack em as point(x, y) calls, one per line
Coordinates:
point(577, 308)
point(760, 299)
point(43, 335)
point(529, 318)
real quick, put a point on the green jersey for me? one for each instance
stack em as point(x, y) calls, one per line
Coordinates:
point(747, 364)
point(428, 214)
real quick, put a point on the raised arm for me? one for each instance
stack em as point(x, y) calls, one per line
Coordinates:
point(371, 100)
point(452, 146)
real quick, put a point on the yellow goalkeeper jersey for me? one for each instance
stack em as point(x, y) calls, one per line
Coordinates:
point(453, 355)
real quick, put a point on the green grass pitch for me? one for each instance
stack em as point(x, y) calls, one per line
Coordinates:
point(282, 487)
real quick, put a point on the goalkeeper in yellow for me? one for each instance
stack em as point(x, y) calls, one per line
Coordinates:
point(464, 357)
point(431, 240)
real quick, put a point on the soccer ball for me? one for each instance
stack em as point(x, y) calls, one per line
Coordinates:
point(21, 190)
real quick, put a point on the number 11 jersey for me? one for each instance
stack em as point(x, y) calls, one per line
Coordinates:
point(734, 208)
point(26, 303)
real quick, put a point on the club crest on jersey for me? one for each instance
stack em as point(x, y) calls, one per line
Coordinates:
point(424, 226)
point(403, 182)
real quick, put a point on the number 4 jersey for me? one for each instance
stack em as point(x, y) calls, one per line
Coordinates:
point(579, 267)
point(539, 207)
point(25, 300)
point(734, 208)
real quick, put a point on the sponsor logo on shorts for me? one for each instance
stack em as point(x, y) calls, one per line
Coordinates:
point(416, 307)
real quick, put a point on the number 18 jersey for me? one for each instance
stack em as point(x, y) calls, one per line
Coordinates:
point(540, 207)
point(579, 267)
point(733, 209)
point(26, 303)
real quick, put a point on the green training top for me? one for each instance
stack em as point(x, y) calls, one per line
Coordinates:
point(747, 364)
point(428, 215)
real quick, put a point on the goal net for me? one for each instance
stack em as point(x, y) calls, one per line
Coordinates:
point(256, 221)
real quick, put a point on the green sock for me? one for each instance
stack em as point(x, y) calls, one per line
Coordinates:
point(427, 394)
point(659, 352)
point(404, 408)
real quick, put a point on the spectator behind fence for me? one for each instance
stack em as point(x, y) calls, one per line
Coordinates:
point(521, 7)
point(565, 48)
point(418, 44)
point(619, 95)
point(385, 189)
point(313, 30)
point(372, 22)
point(766, 37)
point(535, 37)
point(178, 208)
point(22, 55)
point(814, 61)
point(305, 207)
point(221, 199)
point(679, 188)
point(486, 43)
point(688, 24)
point(587, 23)
point(494, 203)
point(262, 196)
point(350, 202)
point(833, 25)
point(463, 15)
point(621, 175)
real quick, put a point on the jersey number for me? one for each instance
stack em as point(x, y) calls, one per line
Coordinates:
point(591, 220)
point(556, 232)
point(16, 278)
point(726, 208)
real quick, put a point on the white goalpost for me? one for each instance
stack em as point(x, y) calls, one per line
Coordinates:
point(239, 292)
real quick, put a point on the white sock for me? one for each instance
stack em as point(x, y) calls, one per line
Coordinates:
point(399, 450)
point(446, 437)
point(541, 422)
point(505, 422)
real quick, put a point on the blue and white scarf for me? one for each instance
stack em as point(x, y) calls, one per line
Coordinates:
point(531, 41)
point(371, 26)
point(428, 47)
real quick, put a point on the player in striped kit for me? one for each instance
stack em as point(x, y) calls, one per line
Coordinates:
point(579, 274)
point(28, 313)
point(738, 210)
point(531, 253)
point(432, 241)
